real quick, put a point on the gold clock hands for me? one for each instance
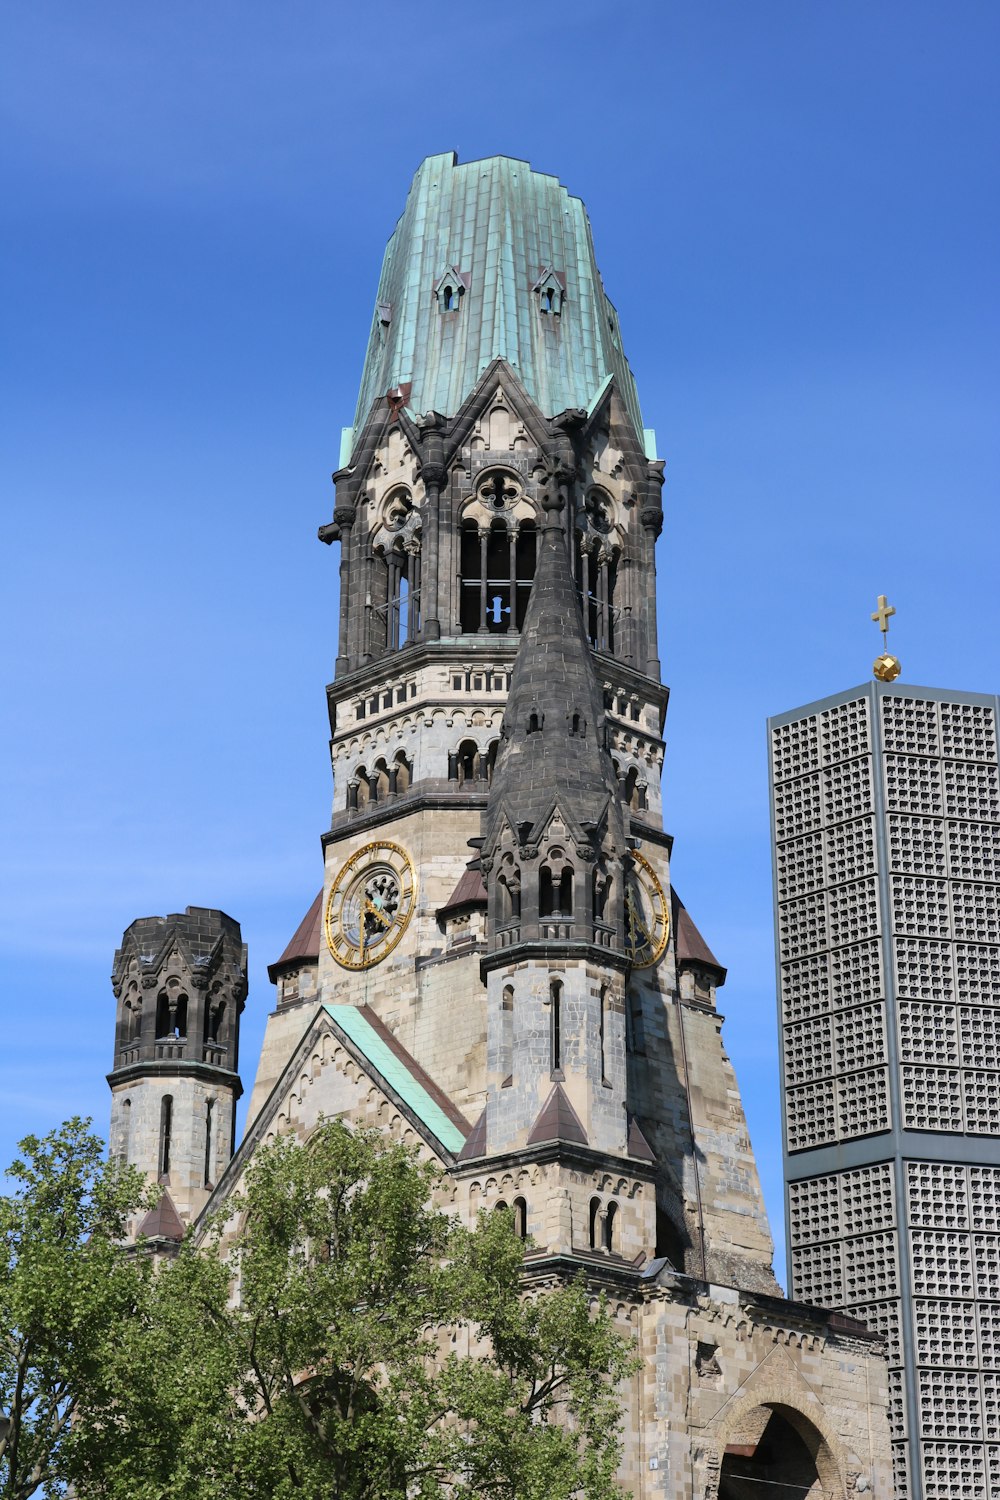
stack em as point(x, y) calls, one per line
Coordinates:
point(635, 922)
point(374, 911)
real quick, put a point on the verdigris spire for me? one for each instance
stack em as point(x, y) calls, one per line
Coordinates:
point(491, 260)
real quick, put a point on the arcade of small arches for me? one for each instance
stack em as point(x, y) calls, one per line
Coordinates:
point(385, 779)
point(498, 547)
point(171, 1015)
point(556, 888)
point(469, 764)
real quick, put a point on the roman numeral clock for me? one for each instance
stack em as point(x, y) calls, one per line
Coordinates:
point(370, 903)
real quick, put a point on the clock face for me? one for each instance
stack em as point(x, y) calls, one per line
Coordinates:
point(371, 901)
point(647, 916)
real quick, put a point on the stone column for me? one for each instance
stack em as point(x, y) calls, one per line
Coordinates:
point(651, 516)
point(434, 475)
point(343, 517)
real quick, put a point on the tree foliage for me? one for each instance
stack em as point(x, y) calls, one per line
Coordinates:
point(66, 1290)
point(340, 1337)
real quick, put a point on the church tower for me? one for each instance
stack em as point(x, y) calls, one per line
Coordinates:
point(498, 685)
point(180, 983)
point(497, 970)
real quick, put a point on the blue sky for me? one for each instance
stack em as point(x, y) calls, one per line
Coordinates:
point(795, 211)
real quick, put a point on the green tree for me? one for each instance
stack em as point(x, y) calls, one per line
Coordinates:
point(66, 1290)
point(373, 1350)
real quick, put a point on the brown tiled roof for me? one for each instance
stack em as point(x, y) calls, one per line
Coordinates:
point(305, 941)
point(470, 890)
point(162, 1222)
point(638, 1146)
point(476, 1144)
point(691, 946)
point(557, 1121)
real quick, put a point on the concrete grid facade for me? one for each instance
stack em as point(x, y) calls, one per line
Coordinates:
point(885, 805)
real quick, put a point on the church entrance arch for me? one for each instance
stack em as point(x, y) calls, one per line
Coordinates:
point(776, 1450)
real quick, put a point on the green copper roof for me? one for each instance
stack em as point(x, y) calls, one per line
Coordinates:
point(353, 1022)
point(500, 226)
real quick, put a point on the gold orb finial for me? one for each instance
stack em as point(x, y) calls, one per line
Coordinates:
point(887, 667)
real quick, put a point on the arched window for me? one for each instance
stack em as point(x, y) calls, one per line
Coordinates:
point(555, 1024)
point(491, 758)
point(602, 882)
point(394, 611)
point(507, 1037)
point(500, 1207)
point(215, 1010)
point(171, 1014)
point(555, 892)
point(497, 570)
point(596, 581)
point(634, 792)
point(448, 299)
point(126, 1129)
point(520, 1208)
point(362, 793)
point(380, 781)
point(611, 1228)
point(595, 1223)
point(401, 774)
point(209, 1111)
point(166, 1131)
point(509, 889)
point(603, 1029)
point(469, 762)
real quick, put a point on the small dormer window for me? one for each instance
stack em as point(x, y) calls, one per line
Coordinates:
point(449, 289)
point(549, 291)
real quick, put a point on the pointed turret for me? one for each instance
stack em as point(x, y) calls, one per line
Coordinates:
point(555, 834)
point(553, 751)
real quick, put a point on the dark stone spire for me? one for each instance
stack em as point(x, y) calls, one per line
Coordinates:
point(553, 750)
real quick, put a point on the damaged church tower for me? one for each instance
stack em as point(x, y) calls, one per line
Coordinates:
point(497, 969)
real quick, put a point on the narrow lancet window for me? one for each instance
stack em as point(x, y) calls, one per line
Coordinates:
point(166, 1130)
point(507, 1037)
point(209, 1110)
point(555, 1023)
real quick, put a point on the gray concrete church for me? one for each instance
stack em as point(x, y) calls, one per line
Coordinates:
point(498, 969)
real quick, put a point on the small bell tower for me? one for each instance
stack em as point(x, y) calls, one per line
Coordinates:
point(180, 983)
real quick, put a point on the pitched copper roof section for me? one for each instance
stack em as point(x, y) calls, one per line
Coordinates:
point(691, 946)
point(162, 1222)
point(416, 1072)
point(557, 1121)
point(305, 941)
point(470, 890)
point(638, 1146)
point(476, 1144)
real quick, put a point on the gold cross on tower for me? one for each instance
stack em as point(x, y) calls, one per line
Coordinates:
point(882, 615)
point(887, 667)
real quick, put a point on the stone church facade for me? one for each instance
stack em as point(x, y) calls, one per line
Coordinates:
point(497, 968)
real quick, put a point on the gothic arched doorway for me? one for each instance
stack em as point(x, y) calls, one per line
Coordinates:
point(788, 1454)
